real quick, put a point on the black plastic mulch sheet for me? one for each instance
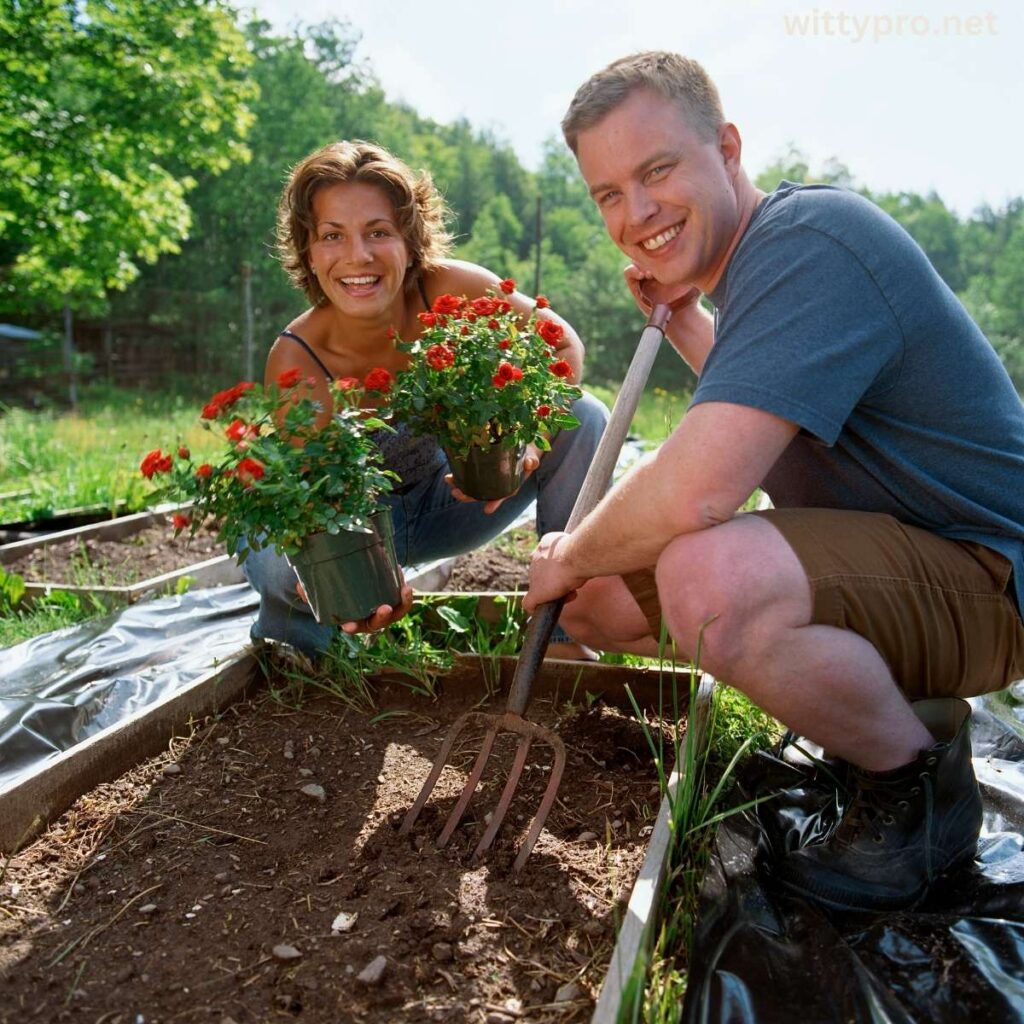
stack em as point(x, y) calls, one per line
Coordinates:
point(760, 955)
point(58, 689)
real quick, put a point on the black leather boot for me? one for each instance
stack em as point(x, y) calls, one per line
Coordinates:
point(900, 829)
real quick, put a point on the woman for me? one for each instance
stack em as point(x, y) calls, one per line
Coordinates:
point(363, 237)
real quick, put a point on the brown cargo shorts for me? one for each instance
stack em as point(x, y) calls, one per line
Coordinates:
point(941, 613)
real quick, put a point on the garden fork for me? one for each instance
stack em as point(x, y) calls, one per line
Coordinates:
point(538, 634)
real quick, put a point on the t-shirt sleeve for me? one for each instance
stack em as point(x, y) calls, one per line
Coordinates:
point(804, 332)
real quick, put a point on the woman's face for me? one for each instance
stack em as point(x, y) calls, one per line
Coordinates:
point(356, 250)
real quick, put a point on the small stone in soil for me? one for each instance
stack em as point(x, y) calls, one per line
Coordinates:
point(289, 750)
point(344, 922)
point(568, 993)
point(285, 952)
point(315, 792)
point(442, 951)
point(171, 769)
point(373, 972)
point(305, 772)
point(587, 837)
point(149, 908)
point(223, 740)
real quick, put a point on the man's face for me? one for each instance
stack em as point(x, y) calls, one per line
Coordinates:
point(668, 198)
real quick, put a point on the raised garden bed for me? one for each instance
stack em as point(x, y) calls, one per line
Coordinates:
point(171, 892)
point(119, 561)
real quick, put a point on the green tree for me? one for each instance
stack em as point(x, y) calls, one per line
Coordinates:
point(107, 110)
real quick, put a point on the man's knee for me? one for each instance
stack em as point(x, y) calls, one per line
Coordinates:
point(730, 590)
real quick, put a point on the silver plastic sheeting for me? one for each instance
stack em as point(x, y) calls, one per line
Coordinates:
point(58, 689)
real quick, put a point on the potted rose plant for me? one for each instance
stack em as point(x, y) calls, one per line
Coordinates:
point(486, 385)
point(313, 494)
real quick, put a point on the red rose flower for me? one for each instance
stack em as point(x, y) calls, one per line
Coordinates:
point(542, 302)
point(470, 316)
point(204, 471)
point(236, 430)
point(508, 286)
point(155, 462)
point(179, 522)
point(504, 306)
point(484, 306)
point(463, 331)
point(183, 452)
point(506, 374)
point(250, 470)
point(427, 319)
point(348, 383)
point(289, 378)
point(447, 304)
point(543, 411)
point(439, 357)
point(378, 379)
point(561, 368)
point(504, 344)
point(493, 324)
point(551, 332)
point(225, 399)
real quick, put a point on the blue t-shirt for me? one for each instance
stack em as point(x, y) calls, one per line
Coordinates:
point(830, 316)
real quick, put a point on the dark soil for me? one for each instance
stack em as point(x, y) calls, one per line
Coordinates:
point(501, 565)
point(101, 562)
point(169, 894)
point(488, 569)
point(154, 551)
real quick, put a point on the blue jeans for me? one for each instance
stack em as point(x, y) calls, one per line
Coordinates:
point(430, 524)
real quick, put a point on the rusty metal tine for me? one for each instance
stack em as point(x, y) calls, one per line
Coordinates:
point(506, 796)
point(435, 774)
point(546, 804)
point(470, 788)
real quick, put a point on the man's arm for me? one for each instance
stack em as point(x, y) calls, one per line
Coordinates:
point(710, 465)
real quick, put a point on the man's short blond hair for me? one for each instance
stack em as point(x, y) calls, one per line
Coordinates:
point(671, 75)
point(419, 210)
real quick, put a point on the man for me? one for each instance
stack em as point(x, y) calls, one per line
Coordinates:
point(842, 376)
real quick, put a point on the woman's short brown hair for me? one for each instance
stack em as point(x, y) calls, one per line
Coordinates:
point(671, 75)
point(419, 209)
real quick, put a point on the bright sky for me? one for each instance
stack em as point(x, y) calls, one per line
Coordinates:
point(910, 96)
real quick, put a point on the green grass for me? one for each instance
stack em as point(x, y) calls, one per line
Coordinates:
point(705, 797)
point(657, 415)
point(91, 457)
point(56, 611)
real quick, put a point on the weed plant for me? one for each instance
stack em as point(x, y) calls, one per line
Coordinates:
point(56, 610)
point(704, 757)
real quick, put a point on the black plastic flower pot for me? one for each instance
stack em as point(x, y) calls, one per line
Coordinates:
point(347, 576)
point(488, 473)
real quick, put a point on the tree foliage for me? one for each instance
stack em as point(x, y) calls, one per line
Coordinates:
point(123, 167)
point(107, 110)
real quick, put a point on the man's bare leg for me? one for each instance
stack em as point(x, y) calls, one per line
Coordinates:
point(741, 590)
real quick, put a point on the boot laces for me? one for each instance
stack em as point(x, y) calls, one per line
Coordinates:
point(878, 803)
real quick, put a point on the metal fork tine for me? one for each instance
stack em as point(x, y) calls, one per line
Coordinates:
point(506, 797)
point(546, 804)
point(435, 774)
point(470, 788)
